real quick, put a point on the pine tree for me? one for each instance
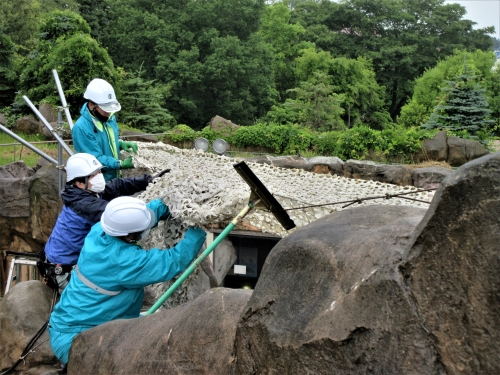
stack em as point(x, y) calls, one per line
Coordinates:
point(463, 108)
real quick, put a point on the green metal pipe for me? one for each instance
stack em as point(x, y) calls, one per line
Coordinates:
point(198, 260)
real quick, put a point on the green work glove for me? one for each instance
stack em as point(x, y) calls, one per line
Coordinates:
point(128, 146)
point(127, 163)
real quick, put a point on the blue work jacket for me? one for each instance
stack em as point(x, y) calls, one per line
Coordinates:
point(100, 140)
point(121, 268)
point(81, 210)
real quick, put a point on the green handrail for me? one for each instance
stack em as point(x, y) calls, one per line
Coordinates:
point(198, 260)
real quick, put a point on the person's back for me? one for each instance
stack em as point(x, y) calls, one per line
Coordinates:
point(108, 282)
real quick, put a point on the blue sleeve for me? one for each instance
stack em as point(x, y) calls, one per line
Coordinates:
point(85, 140)
point(139, 268)
point(161, 211)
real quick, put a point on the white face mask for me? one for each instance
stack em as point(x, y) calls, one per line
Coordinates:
point(98, 183)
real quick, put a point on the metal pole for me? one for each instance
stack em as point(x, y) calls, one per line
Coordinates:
point(198, 260)
point(47, 125)
point(29, 145)
point(60, 164)
point(63, 98)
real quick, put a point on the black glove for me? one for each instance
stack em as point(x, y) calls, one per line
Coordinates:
point(161, 173)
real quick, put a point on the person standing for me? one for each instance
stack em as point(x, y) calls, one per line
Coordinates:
point(96, 130)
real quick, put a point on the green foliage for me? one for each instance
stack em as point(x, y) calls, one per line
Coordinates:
point(354, 79)
point(76, 56)
point(181, 133)
point(283, 36)
point(428, 87)
point(315, 106)
point(60, 24)
point(401, 37)
point(404, 141)
point(7, 70)
point(142, 104)
point(19, 19)
point(464, 107)
point(354, 143)
point(213, 60)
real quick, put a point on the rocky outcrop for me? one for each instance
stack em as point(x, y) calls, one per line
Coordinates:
point(137, 136)
point(30, 208)
point(196, 338)
point(219, 123)
point(27, 125)
point(329, 301)
point(435, 148)
point(460, 151)
point(23, 311)
point(453, 270)
point(430, 177)
point(368, 170)
point(16, 169)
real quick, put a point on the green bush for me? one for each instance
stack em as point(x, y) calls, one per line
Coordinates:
point(354, 143)
point(181, 133)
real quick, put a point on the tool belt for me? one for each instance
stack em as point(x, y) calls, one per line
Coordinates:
point(49, 271)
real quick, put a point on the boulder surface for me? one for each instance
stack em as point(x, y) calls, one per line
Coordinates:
point(195, 338)
point(454, 268)
point(23, 311)
point(329, 301)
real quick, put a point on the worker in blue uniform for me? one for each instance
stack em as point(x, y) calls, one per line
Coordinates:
point(112, 271)
point(96, 131)
point(85, 197)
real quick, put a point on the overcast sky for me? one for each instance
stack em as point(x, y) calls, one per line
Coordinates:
point(484, 12)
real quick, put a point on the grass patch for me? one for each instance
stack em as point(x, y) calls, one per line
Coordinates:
point(11, 150)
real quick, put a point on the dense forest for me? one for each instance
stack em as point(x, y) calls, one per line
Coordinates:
point(321, 65)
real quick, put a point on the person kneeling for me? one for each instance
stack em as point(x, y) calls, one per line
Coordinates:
point(112, 271)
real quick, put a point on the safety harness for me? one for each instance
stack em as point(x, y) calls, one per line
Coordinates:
point(49, 270)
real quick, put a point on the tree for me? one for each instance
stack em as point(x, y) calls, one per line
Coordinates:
point(207, 52)
point(7, 70)
point(283, 37)
point(314, 106)
point(142, 104)
point(402, 38)
point(463, 108)
point(64, 44)
point(428, 88)
point(20, 19)
point(354, 79)
point(95, 12)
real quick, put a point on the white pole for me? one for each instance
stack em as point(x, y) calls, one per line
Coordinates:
point(63, 98)
point(47, 125)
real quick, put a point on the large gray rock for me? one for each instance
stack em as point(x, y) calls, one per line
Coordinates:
point(435, 148)
point(27, 125)
point(17, 169)
point(430, 177)
point(463, 150)
point(368, 170)
point(195, 338)
point(30, 209)
point(134, 136)
point(454, 270)
point(45, 202)
point(23, 311)
point(332, 165)
point(329, 301)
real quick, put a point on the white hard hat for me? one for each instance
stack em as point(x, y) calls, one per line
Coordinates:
point(101, 93)
point(81, 165)
point(124, 215)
